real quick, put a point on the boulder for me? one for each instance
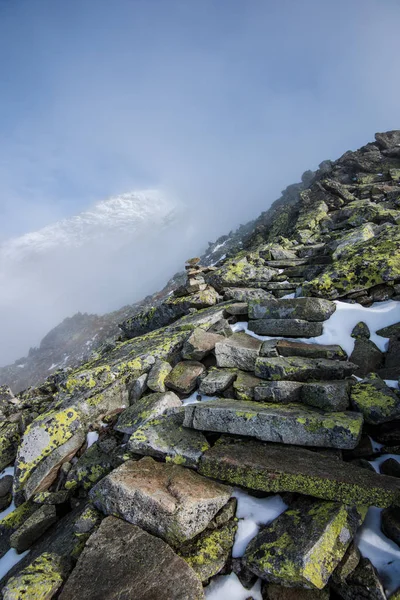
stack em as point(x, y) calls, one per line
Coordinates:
point(290, 424)
point(168, 500)
point(245, 385)
point(216, 381)
point(42, 579)
point(391, 366)
point(46, 472)
point(361, 331)
point(89, 468)
point(367, 356)
point(288, 348)
point(327, 395)
point(11, 522)
point(286, 327)
point(137, 388)
point(5, 491)
point(391, 467)
point(183, 377)
point(304, 545)
point(238, 309)
point(273, 591)
point(165, 437)
point(375, 400)
point(199, 344)
point(348, 563)
point(121, 560)
point(269, 348)
point(302, 369)
point(157, 375)
point(277, 468)
point(240, 273)
point(307, 309)
point(240, 351)
point(33, 528)
point(281, 392)
point(147, 408)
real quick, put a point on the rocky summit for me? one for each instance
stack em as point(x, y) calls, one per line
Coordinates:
point(240, 433)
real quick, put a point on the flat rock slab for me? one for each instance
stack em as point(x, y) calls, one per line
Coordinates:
point(287, 348)
point(281, 392)
point(199, 344)
point(286, 327)
point(168, 500)
point(245, 384)
point(289, 424)
point(327, 395)
point(147, 408)
point(304, 545)
point(245, 294)
point(121, 560)
point(183, 377)
point(277, 468)
point(302, 369)
point(309, 309)
point(33, 528)
point(375, 400)
point(216, 381)
point(240, 350)
point(165, 437)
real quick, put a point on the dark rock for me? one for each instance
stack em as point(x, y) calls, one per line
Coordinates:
point(289, 424)
point(363, 449)
point(302, 369)
point(348, 563)
point(5, 485)
point(304, 545)
point(278, 468)
point(272, 591)
point(361, 331)
point(121, 560)
point(387, 433)
point(31, 530)
point(170, 501)
point(184, 376)
point(391, 467)
point(89, 468)
point(286, 327)
point(308, 309)
point(327, 395)
point(367, 356)
point(392, 331)
point(9, 440)
point(240, 351)
point(391, 367)
point(390, 523)
point(363, 583)
point(287, 348)
point(245, 385)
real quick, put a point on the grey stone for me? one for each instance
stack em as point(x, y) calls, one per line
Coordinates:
point(137, 388)
point(184, 376)
point(268, 348)
point(216, 381)
point(199, 344)
point(288, 348)
point(375, 400)
point(157, 375)
point(165, 437)
point(289, 424)
point(5, 485)
point(275, 468)
point(304, 545)
point(245, 385)
point(30, 531)
point(39, 580)
point(240, 308)
point(282, 392)
point(168, 500)
point(393, 331)
point(240, 350)
point(9, 440)
point(327, 395)
point(273, 591)
point(145, 409)
point(302, 369)
point(361, 331)
point(363, 583)
point(348, 563)
point(286, 327)
point(121, 560)
point(308, 309)
point(245, 294)
point(367, 356)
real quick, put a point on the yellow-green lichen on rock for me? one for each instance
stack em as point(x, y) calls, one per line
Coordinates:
point(9, 440)
point(38, 581)
point(375, 400)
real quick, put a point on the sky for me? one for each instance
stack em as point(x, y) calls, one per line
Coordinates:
point(222, 103)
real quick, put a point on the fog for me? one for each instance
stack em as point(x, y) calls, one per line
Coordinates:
point(219, 103)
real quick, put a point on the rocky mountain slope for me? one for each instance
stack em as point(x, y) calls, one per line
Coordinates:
point(242, 438)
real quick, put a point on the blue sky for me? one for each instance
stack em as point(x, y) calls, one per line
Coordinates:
point(222, 102)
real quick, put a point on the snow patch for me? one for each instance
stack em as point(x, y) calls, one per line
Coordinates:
point(10, 559)
point(192, 399)
point(228, 587)
point(91, 438)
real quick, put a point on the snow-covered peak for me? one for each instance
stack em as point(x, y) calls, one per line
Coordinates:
point(127, 212)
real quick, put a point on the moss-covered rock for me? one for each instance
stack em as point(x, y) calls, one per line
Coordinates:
point(184, 376)
point(12, 522)
point(9, 440)
point(305, 544)
point(241, 273)
point(39, 581)
point(89, 469)
point(144, 410)
point(34, 526)
point(158, 373)
point(375, 400)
